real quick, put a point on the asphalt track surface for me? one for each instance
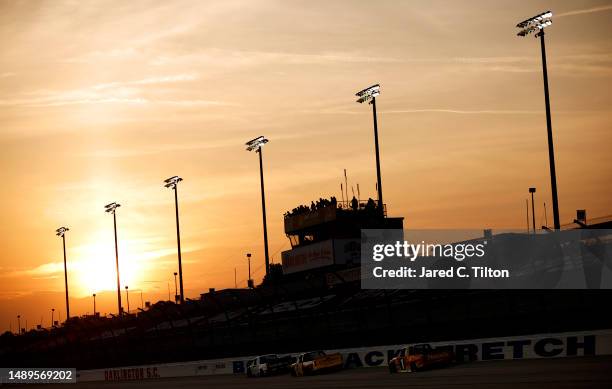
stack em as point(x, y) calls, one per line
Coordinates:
point(584, 372)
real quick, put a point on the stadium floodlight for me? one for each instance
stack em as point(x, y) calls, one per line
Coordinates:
point(111, 208)
point(256, 145)
point(172, 183)
point(536, 19)
point(537, 24)
point(61, 232)
point(369, 94)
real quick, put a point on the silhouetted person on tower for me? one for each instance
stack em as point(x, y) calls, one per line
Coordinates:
point(354, 203)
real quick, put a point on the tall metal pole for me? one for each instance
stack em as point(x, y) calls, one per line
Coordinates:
point(178, 241)
point(94, 297)
point(249, 260)
point(52, 316)
point(66, 278)
point(117, 263)
point(527, 209)
point(551, 152)
point(378, 177)
point(533, 211)
point(263, 208)
point(127, 297)
point(175, 288)
point(19, 324)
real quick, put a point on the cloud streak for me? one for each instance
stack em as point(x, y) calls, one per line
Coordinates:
point(604, 8)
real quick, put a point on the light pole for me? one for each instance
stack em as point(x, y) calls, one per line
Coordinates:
point(369, 94)
point(537, 24)
point(94, 298)
point(172, 183)
point(18, 324)
point(256, 145)
point(111, 208)
point(176, 296)
point(61, 232)
point(127, 298)
point(532, 191)
point(249, 260)
point(52, 316)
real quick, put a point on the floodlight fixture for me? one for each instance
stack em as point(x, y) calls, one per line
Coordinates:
point(535, 24)
point(172, 182)
point(110, 208)
point(368, 94)
point(256, 144)
point(535, 19)
point(61, 231)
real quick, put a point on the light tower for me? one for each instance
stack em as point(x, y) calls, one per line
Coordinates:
point(61, 232)
point(536, 25)
point(369, 95)
point(256, 145)
point(172, 183)
point(249, 281)
point(176, 295)
point(127, 298)
point(111, 208)
point(532, 191)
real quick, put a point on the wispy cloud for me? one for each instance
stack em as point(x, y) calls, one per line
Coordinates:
point(602, 8)
point(116, 92)
point(466, 112)
point(234, 58)
point(45, 270)
point(149, 81)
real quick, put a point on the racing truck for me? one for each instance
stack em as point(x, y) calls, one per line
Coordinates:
point(420, 357)
point(315, 362)
point(266, 365)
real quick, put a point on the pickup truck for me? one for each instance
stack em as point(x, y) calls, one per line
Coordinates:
point(420, 357)
point(315, 362)
point(270, 364)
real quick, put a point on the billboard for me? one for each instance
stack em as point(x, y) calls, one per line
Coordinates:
point(308, 257)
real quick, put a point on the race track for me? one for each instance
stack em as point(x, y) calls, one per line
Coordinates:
point(584, 372)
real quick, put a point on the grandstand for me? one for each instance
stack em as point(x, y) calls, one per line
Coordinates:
point(320, 307)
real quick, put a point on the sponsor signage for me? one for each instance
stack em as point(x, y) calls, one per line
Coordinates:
point(308, 257)
point(559, 345)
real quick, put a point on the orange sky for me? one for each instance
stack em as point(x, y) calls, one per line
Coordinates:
point(100, 101)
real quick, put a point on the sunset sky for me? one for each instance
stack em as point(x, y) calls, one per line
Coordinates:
point(100, 101)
